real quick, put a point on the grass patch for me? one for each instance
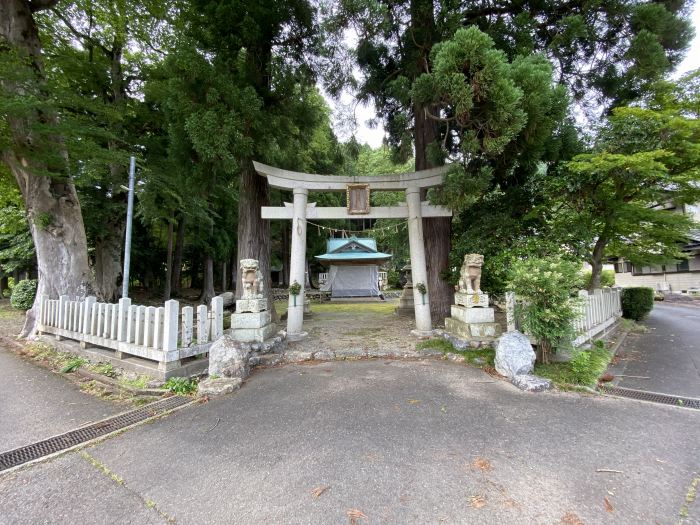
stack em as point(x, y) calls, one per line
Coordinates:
point(7, 312)
point(584, 369)
point(140, 382)
point(384, 307)
point(105, 369)
point(436, 344)
point(479, 358)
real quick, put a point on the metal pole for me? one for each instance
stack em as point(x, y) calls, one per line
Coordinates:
point(129, 218)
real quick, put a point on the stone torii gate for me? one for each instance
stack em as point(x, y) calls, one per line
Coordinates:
point(358, 189)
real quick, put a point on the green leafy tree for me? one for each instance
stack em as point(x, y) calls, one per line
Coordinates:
point(611, 202)
point(606, 53)
point(16, 247)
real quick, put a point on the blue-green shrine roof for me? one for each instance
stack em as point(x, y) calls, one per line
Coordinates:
point(354, 249)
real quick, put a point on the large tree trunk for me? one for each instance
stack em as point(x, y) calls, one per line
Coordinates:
point(3, 286)
point(169, 261)
point(596, 262)
point(108, 260)
point(426, 131)
point(176, 280)
point(53, 210)
point(253, 231)
point(208, 292)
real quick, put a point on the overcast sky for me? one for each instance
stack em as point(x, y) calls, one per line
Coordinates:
point(374, 136)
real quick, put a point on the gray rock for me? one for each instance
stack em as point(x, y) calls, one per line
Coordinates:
point(219, 386)
point(324, 355)
point(297, 356)
point(531, 383)
point(514, 355)
point(351, 352)
point(265, 360)
point(229, 358)
point(229, 298)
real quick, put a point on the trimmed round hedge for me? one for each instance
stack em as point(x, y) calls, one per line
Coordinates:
point(637, 302)
point(23, 294)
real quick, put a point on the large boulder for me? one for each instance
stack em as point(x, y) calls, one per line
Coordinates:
point(229, 298)
point(514, 355)
point(229, 358)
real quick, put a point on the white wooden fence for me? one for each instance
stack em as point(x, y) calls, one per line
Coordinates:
point(162, 334)
point(599, 311)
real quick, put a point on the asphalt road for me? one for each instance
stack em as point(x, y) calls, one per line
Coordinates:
point(36, 403)
point(383, 441)
point(668, 354)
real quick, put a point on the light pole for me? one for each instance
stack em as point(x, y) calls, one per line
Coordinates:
point(129, 218)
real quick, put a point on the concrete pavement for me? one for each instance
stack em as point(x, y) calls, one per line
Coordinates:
point(668, 354)
point(36, 403)
point(395, 441)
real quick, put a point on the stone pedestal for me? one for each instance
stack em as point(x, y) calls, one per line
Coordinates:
point(472, 300)
point(471, 317)
point(251, 305)
point(252, 326)
point(405, 307)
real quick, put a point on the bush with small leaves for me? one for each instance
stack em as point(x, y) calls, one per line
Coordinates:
point(637, 302)
point(23, 294)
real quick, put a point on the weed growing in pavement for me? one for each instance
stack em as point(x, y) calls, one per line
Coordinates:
point(139, 382)
point(105, 369)
point(479, 358)
point(73, 364)
point(181, 385)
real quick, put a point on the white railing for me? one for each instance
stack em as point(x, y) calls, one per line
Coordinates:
point(599, 311)
point(160, 334)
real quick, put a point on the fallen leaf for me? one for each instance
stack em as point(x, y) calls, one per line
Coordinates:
point(509, 502)
point(316, 493)
point(443, 409)
point(414, 401)
point(477, 501)
point(482, 464)
point(403, 498)
point(571, 519)
point(608, 505)
point(355, 515)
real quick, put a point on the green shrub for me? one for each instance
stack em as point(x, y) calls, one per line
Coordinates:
point(607, 278)
point(394, 278)
point(547, 288)
point(637, 302)
point(23, 294)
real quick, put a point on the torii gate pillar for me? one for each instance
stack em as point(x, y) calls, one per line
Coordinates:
point(421, 301)
point(297, 267)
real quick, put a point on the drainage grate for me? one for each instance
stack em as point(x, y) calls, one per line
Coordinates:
point(70, 439)
point(666, 399)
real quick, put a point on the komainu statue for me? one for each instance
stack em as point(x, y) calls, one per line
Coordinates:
point(470, 274)
point(252, 279)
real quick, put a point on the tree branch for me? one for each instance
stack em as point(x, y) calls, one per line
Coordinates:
point(87, 39)
point(40, 5)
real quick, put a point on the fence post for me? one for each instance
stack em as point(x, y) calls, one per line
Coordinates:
point(217, 309)
point(170, 326)
point(202, 335)
point(158, 328)
point(187, 325)
point(88, 306)
point(510, 311)
point(123, 322)
point(138, 334)
point(148, 326)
